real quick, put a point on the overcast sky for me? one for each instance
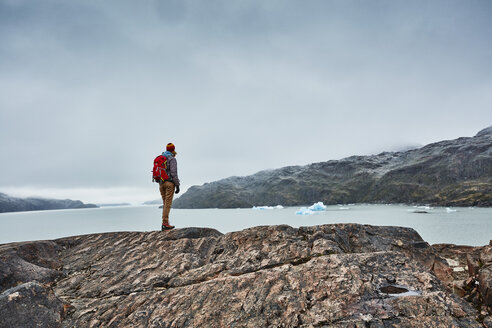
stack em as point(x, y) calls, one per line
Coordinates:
point(91, 91)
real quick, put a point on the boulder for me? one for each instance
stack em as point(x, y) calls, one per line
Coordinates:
point(30, 305)
point(472, 265)
point(485, 276)
point(29, 261)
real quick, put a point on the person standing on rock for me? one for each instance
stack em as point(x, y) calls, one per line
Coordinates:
point(170, 186)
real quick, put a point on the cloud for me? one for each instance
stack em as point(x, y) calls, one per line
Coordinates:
point(92, 91)
point(111, 195)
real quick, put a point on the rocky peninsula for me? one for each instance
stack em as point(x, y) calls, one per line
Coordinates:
point(340, 275)
point(15, 204)
point(447, 173)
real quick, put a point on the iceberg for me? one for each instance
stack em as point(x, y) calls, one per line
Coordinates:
point(317, 207)
point(261, 208)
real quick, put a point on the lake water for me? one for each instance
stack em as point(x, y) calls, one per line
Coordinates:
point(465, 226)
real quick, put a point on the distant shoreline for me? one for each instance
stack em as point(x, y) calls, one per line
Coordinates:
point(10, 204)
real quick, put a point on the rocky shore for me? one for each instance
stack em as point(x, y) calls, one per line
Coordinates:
point(341, 275)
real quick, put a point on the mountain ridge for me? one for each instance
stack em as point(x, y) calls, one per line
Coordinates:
point(16, 204)
point(450, 173)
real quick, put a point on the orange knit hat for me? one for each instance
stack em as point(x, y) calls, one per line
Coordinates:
point(170, 147)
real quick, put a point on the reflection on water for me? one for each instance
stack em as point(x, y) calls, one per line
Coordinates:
point(466, 226)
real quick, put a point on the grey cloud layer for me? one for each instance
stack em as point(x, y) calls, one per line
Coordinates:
point(90, 91)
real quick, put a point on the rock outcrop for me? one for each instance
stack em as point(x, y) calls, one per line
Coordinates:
point(448, 173)
point(15, 204)
point(272, 276)
point(471, 275)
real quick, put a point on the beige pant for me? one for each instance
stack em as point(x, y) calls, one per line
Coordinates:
point(167, 192)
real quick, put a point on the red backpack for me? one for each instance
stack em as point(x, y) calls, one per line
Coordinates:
point(160, 166)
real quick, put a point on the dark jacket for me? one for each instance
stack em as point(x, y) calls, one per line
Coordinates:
point(172, 167)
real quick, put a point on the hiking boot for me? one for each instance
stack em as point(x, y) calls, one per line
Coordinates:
point(166, 226)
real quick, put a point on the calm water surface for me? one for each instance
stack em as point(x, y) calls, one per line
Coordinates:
point(466, 226)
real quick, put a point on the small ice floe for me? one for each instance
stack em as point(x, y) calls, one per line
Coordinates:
point(317, 207)
point(304, 211)
point(421, 209)
point(344, 208)
point(261, 208)
point(449, 210)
